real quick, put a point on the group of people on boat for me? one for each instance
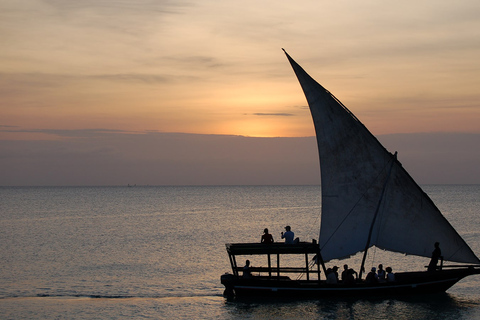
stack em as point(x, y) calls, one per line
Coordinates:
point(380, 275)
point(288, 235)
point(350, 276)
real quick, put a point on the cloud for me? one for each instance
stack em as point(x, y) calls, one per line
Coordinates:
point(48, 80)
point(274, 114)
point(196, 61)
point(133, 77)
point(115, 13)
point(71, 133)
point(108, 6)
point(34, 80)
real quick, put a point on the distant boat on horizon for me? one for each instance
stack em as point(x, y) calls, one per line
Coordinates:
point(368, 199)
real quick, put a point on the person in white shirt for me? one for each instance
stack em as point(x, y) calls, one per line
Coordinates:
point(288, 235)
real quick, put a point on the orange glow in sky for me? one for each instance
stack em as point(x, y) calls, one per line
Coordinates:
point(210, 68)
point(110, 92)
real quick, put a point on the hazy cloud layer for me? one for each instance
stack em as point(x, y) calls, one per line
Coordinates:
point(106, 157)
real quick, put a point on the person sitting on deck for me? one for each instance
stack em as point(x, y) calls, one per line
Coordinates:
point(266, 237)
point(246, 270)
point(288, 235)
point(372, 276)
point(381, 273)
point(349, 278)
point(331, 278)
point(436, 254)
point(390, 275)
point(335, 271)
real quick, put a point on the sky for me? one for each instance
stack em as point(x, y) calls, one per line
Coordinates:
point(96, 92)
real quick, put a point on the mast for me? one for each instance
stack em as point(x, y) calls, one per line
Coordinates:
point(367, 245)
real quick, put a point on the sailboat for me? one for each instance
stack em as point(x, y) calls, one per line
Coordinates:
point(368, 199)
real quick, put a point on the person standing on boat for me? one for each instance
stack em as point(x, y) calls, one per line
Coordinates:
point(288, 235)
point(266, 237)
point(436, 254)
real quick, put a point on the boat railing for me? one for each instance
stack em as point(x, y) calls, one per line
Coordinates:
point(274, 269)
point(474, 266)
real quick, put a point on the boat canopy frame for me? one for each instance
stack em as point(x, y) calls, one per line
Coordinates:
point(276, 249)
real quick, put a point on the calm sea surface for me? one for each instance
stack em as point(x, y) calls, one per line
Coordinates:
point(158, 253)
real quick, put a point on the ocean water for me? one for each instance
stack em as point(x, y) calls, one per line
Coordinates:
point(158, 253)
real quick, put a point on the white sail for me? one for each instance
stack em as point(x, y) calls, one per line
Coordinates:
point(366, 191)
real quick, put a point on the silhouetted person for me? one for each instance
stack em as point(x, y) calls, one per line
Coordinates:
point(331, 278)
point(246, 270)
point(288, 235)
point(345, 272)
point(381, 273)
point(335, 272)
point(390, 275)
point(266, 237)
point(349, 278)
point(372, 276)
point(436, 254)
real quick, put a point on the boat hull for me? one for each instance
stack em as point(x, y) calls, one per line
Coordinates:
point(408, 283)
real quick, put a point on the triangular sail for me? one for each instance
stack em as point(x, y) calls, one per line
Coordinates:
point(354, 171)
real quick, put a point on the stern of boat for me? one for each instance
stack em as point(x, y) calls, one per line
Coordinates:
point(228, 280)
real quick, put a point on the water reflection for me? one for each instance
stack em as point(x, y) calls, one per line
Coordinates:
point(440, 306)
